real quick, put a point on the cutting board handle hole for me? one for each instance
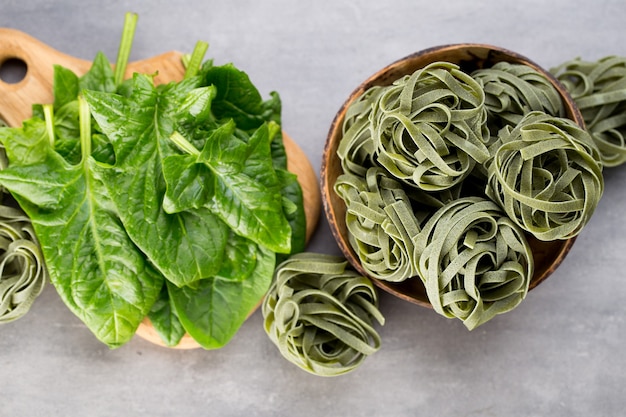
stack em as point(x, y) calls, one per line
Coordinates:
point(13, 70)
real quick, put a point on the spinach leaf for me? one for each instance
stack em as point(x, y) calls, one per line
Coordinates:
point(67, 85)
point(28, 144)
point(185, 246)
point(293, 207)
point(234, 179)
point(165, 320)
point(67, 132)
point(100, 77)
point(66, 88)
point(213, 309)
point(95, 267)
point(279, 155)
point(237, 98)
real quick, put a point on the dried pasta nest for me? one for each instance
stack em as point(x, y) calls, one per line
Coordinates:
point(512, 91)
point(547, 175)
point(320, 314)
point(474, 261)
point(381, 223)
point(599, 91)
point(22, 271)
point(429, 128)
point(357, 151)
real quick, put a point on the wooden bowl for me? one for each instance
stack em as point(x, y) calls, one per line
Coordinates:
point(547, 255)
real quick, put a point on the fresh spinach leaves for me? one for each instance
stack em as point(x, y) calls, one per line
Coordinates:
point(92, 262)
point(171, 201)
point(185, 246)
point(234, 179)
point(214, 309)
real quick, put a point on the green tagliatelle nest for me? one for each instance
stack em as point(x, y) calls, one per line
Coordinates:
point(22, 271)
point(428, 128)
point(599, 91)
point(445, 174)
point(381, 224)
point(320, 314)
point(356, 151)
point(513, 90)
point(547, 175)
point(474, 261)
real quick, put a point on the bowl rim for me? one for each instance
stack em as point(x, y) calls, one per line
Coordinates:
point(383, 77)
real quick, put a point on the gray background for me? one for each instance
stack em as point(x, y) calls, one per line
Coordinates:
point(560, 353)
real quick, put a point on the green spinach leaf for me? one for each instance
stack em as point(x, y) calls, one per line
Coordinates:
point(293, 207)
point(95, 267)
point(185, 246)
point(238, 99)
point(66, 88)
point(214, 309)
point(234, 179)
point(165, 320)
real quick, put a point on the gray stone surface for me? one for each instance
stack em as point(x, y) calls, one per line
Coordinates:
point(560, 353)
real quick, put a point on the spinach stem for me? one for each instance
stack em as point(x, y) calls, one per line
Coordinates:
point(273, 129)
point(48, 114)
point(185, 60)
point(128, 33)
point(84, 118)
point(195, 61)
point(183, 144)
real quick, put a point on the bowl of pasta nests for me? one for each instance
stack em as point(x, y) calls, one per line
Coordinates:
point(458, 178)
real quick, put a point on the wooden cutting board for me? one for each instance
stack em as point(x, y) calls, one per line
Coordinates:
point(16, 101)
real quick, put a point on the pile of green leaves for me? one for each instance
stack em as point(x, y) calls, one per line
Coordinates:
point(171, 201)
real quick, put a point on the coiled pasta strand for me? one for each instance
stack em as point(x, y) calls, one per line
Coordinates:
point(357, 148)
point(320, 314)
point(381, 224)
point(599, 91)
point(547, 176)
point(22, 270)
point(474, 261)
point(429, 128)
point(512, 91)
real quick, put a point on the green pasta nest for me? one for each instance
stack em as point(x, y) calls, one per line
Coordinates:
point(546, 174)
point(22, 271)
point(512, 90)
point(474, 261)
point(320, 314)
point(381, 224)
point(429, 128)
point(599, 91)
point(445, 174)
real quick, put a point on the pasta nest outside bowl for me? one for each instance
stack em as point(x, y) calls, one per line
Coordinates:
point(547, 255)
